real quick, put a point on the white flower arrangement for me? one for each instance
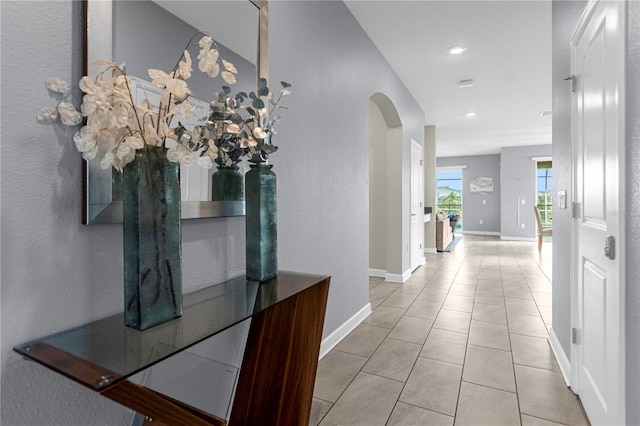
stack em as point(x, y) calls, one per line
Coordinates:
point(116, 126)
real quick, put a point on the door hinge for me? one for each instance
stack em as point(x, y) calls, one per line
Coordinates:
point(421, 162)
point(574, 83)
point(574, 336)
point(575, 210)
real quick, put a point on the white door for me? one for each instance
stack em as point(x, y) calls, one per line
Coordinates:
point(598, 126)
point(417, 212)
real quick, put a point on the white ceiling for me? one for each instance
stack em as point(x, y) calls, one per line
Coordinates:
point(508, 56)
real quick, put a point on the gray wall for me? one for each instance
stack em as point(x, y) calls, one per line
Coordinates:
point(632, 215)
point(472, 207)
point(148, 36)
point(322, 164)
point(57, 273)
point(518, 173)
point(430, 186)
point(565, 16)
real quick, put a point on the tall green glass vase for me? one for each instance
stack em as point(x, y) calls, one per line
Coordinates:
point(261, 222)
point(152, 239)
point(226, 184)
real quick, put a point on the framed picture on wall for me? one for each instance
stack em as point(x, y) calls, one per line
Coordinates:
point(481, 185)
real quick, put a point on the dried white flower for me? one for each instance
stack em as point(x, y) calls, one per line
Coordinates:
point(204, 162)
point(209, 63)
point(259, 133)
point(123, 150)
point(229, 66)
point(233, 128)
point(107, 161)
point(134, 142)
point(68, 114)
point(180, 154)
point(178, 88)
point(85, 139)
point(205, 43)
point(228, 77)
point(184, 67)
point(57, 85)
point(47, 115)
point(159, 77)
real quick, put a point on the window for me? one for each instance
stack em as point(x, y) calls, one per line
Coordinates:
point(449, 193)
point(544, 179)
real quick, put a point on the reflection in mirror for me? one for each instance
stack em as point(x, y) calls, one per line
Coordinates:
point(153, 34)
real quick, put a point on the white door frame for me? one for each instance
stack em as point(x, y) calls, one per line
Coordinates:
point(420, 194)
point(620, 243)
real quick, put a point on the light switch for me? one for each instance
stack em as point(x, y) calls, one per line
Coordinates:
point(562, 199)
point(484, 201)
point(522, 201)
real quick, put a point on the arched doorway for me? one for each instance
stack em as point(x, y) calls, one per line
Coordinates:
point(385, 189)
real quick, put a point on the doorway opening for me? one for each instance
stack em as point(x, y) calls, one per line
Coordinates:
point(449, 194)
point(386, 239)
point(544, 191)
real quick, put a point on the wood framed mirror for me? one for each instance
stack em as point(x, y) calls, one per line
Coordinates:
point(143, 34)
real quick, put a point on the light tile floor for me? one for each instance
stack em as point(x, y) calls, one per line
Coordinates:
point(463, 341)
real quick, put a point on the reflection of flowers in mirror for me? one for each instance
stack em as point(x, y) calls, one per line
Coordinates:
point(115, 126)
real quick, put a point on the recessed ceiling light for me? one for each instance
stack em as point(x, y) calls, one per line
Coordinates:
point(470, 114)
point(456, 50)
point(465, 83)
point(545, 113)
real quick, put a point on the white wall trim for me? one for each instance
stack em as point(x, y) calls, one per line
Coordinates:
point(506, 238)
point(480, 233)
point(377, 273)
point(545, 158)
point(341, 332)
point(397, 278)
point(450, 168)
point(430, 250)
point(561, 357)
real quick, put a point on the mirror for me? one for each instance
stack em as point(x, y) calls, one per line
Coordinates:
point(152, 34)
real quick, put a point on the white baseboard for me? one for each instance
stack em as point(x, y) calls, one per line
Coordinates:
point(377, 273)
point(392, 278)
point(480, 233)
point(341, 332)
point(430, 250)
point(561, 357)
point(397, 278)
point(507, 238)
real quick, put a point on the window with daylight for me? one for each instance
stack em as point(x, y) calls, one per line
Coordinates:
point(544, 179)
point(449, 193)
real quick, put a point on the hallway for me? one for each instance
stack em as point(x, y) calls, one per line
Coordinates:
point(462, 341)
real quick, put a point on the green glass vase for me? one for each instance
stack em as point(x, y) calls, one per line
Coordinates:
point(226, 184)
point(152, 239)
point(261, 223)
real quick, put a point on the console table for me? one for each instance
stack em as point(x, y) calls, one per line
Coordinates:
point(277, 374)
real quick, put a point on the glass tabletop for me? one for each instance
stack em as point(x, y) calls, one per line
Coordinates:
point(104, 352)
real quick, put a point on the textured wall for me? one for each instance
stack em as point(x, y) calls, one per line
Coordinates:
point(633, 215)
point(430, 186)
point(518, 180)
point(57, 273)
point(565, 16)
point(322, 165)
point(473, 209)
